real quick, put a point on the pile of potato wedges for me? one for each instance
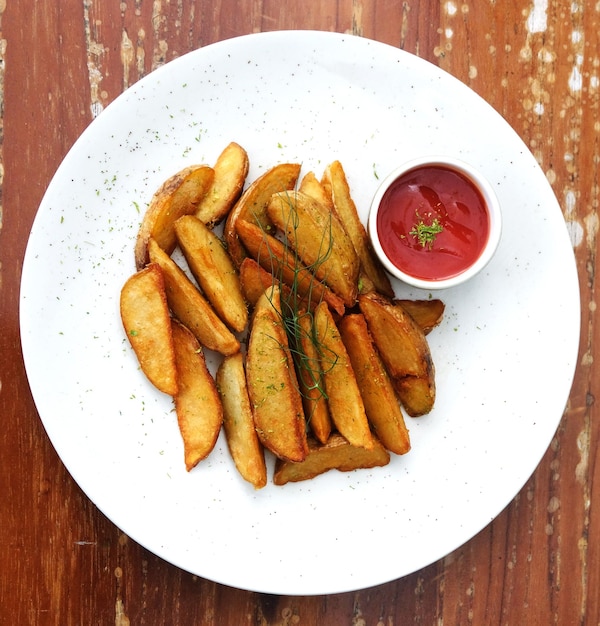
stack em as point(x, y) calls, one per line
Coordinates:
point(317, 360)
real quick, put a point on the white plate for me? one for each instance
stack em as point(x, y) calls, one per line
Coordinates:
point(505, 353)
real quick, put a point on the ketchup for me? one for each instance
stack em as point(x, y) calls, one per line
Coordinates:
point(433, 223)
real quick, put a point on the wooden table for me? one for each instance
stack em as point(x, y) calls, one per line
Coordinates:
point(62, 561)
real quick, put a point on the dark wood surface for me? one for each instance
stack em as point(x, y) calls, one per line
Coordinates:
point(62, 561)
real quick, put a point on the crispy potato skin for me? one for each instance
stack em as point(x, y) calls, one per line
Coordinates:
point(179, 195)
point(346, 405)
point(238, 423)
point(190, 307)
point(251, 207)
point(319, 240)
point(273, 256)
point(310, 377)
point(312, 186)
point(404, 351)
point(197, 402)
point(147, 323)
point(427, 313)
point(231, 169)
point(376, 388)
point(254, 280)
point(336, 184)
point(337, 453)
point(272, 385)
point(214, 270)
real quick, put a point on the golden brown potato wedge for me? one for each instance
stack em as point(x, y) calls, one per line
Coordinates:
point(147, 323)
point(272, 384)
point(238, 423)
point(377, 391)
point(335, 181)
point(280, 262)
point(231, 169)
point(178, 196)
point(319, 239)
point(337, 453)
point(197, 402)
point(346, 405)
point(254, 280)
point(189, 306)
point(310, 377)
point(404, 351)
point(312, 186)
point(427, 313)
point(252, 204)
point(213, 269)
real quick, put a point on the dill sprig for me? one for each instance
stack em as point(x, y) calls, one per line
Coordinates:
point(297, 303)
point(425, 234)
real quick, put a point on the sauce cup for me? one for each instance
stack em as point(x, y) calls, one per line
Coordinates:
point(435, 222)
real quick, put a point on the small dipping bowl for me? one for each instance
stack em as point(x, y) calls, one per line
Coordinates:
point(435, 222)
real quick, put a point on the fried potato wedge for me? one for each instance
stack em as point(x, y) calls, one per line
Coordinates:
point(252, 205)
point(427, 313)
point(310, 377)
point(179, 195)
point(238, 423)
point(312, 186)
point(147, 323)
point(214, 270)
point(197, 402)
point(231, 169)
point(190, 307)
point(254, 280)
point(319, 239)
point(337, 454)
point(272, 384)
point(404, 351)
point(381, 403)
point(278, 261)
point(346, 405)
point(335, 181)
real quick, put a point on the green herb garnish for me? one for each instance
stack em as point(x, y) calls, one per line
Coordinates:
point(425, 234)
point(311, 358)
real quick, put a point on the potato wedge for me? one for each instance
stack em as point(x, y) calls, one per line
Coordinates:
point(231, 169)
point(310, 377)
point(238, 423)
point(335, 181)
point(254, 280)
point(312, 186)
point(280, 262)
point(381, 403)
point(197, 402)
point(427, 313)
point(179, 195)
point(213, 269)
point(252, 204)
point(190, 307)
point(404, 351)
point(272, 384)
point(319, 239)
point(337, 453)
point(346, 405)
point(147, 324)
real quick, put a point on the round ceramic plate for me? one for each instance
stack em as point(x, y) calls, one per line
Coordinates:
point(503, 371)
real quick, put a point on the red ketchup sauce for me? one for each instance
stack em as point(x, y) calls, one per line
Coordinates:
point(419, 198)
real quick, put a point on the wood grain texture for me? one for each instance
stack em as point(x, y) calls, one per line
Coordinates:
point(61, 64)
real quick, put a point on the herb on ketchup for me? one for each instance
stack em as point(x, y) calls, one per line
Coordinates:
point(425, 234)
